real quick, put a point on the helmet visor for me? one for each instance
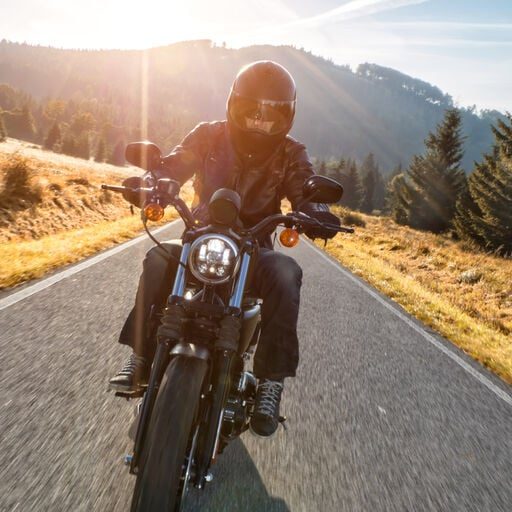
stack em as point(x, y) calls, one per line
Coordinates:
point(264, 116)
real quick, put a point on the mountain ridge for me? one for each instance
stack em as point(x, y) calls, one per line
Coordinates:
point(340, 112)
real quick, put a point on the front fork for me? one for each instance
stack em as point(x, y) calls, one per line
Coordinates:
point(160, 361)
point(226, 348)
point(225, 351)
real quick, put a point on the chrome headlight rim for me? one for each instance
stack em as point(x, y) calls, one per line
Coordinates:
point(199, 241)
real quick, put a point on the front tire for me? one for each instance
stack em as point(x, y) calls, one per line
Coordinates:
point(168, 436)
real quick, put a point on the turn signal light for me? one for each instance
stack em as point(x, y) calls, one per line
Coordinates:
point(289, 237)
point(154, 212)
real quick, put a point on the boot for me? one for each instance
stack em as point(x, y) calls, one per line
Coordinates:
point(135, 373)
point(265, 417)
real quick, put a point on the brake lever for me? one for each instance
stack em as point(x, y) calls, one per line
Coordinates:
point(315, 222)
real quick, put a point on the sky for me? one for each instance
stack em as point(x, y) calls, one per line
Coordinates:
point(462, 46)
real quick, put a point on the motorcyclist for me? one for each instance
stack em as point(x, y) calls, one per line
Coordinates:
point(252, 153)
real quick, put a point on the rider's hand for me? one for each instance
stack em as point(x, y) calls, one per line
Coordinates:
point(135, 182)
point(325, 217)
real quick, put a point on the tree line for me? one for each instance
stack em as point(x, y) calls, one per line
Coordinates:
point(364, 185)
point(434, 193)
point(341, 111)
point(82, 127)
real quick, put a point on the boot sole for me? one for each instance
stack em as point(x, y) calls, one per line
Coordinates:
point(126, 389)
point(259, 436)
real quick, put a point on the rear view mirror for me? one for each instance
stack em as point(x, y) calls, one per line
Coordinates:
point(320, 189)
point(143, 154)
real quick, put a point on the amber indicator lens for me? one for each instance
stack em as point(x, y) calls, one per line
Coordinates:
point(153, 212)
point(289, 237)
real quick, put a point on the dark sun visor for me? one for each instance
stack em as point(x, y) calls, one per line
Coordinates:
point(265, 116)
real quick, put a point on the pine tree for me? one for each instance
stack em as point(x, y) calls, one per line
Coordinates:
point(69, 145)
point(27, 124)
point(371, 182)
point(342, 165)
point(467, 214)
point(20, 123)
point(379, 195)
point(484, 211)
point(435, 180)
point(398, 200)
point(448, 140)
point(82, 146)
point(53, 137)
point(389, 188)
point(352, 187)
point(3, 131)
point(117, 156)
point(101, 151)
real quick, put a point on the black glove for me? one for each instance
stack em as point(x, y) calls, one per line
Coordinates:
point(325, 217)
point(135, 182)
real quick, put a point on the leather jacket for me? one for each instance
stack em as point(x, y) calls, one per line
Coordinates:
point(262, 182)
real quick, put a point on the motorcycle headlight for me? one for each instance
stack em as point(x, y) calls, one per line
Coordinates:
point(213, 259)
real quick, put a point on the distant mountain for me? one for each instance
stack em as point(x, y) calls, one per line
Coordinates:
point(339, 112)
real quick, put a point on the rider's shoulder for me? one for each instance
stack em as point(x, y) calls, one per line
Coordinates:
point(209, 128)
point(294, 148)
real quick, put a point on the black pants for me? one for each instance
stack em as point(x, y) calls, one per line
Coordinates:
point(276, 279)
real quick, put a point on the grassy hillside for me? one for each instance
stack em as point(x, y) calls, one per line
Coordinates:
point(44, 193)
point(464, 294)
point(53, 212)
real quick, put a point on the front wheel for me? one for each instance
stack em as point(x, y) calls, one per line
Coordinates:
point(162, 462)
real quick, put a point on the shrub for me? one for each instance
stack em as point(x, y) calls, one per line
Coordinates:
point(17, 183)
point(471, 276)
point(353, 219)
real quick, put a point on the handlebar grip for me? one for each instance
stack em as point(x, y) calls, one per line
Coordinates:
point(114, 188)
point(341, 229)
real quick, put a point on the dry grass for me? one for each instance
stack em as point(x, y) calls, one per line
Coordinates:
point(43, 193)
point(30, 259)
point(53, 212)
point(463, 294)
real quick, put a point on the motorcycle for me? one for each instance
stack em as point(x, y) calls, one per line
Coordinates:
point(200, 393)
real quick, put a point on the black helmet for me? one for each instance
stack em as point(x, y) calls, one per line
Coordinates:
point(261, 107)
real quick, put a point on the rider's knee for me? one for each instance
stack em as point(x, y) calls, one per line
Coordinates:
point(284, 270)
point(160, 257)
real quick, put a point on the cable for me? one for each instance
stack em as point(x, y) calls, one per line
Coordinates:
point(167, 254)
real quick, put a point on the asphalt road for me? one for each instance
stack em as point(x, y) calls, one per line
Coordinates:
point(379, 418)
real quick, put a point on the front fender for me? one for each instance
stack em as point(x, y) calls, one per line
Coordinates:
point(190, 350)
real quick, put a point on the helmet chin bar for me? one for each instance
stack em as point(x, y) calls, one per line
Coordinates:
point(257, 125)
point(248, 142)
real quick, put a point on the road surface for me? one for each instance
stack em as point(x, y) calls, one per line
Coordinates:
point(381, 417)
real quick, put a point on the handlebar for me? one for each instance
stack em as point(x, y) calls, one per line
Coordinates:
point(305, 221)
point(121, 189)
point(114, 188)
point(266, 225)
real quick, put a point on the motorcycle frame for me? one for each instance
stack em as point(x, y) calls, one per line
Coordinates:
point(220, 357)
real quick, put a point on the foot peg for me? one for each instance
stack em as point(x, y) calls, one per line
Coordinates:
point(282, 421)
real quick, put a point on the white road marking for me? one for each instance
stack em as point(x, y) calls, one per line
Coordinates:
point(15, 297)
point(457, 359)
